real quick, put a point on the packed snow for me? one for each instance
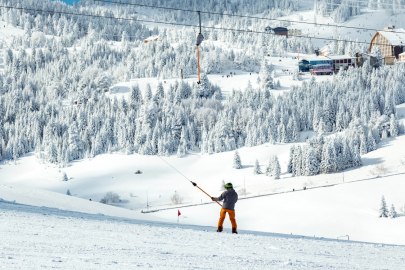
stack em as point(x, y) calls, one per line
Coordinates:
point(47, 237)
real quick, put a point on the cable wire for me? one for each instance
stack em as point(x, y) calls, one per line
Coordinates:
point(243, 16)
point(183, 24)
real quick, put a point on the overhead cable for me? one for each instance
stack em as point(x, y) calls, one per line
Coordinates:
point(183, 24)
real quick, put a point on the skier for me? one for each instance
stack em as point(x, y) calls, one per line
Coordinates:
point(230, 197)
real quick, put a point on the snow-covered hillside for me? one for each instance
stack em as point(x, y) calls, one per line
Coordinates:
point(34, 237)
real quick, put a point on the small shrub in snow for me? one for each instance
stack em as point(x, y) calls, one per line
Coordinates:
point(176, 198)
point(392, 213)
point(379, 169)
point(383, 212)
point(110, 197)
point(63, 177)
point(242, 192)
point(68, 192)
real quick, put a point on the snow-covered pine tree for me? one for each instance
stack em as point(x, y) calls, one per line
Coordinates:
point(63, 177)
point(290, 160)
point(363, 144)
point(266, 79)
point(383, 212)
point(256, 168)
point(269, 167)
point(312, 163)
point(328, 163)
point(394, 130)
point(160, 92)
point(68, 193)
point(371, 144)
point(276, 168)
point(237, 163)
point(296, 75)
point(356, 158)
point(222, 187)
point(148, 93)
point(392, 213)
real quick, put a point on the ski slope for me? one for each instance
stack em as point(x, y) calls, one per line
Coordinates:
point(347, 208)
point(332, 212)
point(42, 237)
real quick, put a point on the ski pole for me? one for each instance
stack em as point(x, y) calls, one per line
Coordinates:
point(194, 184)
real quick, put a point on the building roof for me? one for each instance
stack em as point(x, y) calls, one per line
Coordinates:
point(314, 58)
point(395, 36)
point(280, 29)
point(340, 57)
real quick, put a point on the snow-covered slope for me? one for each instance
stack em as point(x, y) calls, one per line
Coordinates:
point(40, 237)
point(53, 201)
point(348, 208)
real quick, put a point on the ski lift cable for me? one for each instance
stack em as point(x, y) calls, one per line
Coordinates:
point(360, 2)
point(183, 24)
point(193, 183)
point(245, 16)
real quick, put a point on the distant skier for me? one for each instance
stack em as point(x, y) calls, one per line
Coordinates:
point(230, 197)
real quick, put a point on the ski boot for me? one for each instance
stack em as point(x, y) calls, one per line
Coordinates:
point(234, 230)
point(219, 229)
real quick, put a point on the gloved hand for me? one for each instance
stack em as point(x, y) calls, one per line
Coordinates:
point(212, 198)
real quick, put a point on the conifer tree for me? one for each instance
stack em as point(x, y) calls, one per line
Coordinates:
point(392, 213)
point(383, 212)
point(371, 144)
point(296, 75)
point(276, 168)
point(290, 160)
point(68, 193)
point(256, 168)
point(266, 79)
point(363, 144)
point(328, 163)
point(312, 163)
point(64, 177)
point(237, 163)
point(356, 158)
point(393, 127)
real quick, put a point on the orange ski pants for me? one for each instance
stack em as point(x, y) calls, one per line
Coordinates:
point(231, 214)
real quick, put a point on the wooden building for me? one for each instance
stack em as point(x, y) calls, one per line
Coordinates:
point(280, 31)
point(391, 42)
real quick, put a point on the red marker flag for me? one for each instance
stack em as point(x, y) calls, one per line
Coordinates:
point(178, 213)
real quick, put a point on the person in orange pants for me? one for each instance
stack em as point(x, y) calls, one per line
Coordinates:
point(230, 197)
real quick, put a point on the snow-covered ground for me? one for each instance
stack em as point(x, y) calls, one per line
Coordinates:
point(239, 80)
point(41, 237)
point(348, 208)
